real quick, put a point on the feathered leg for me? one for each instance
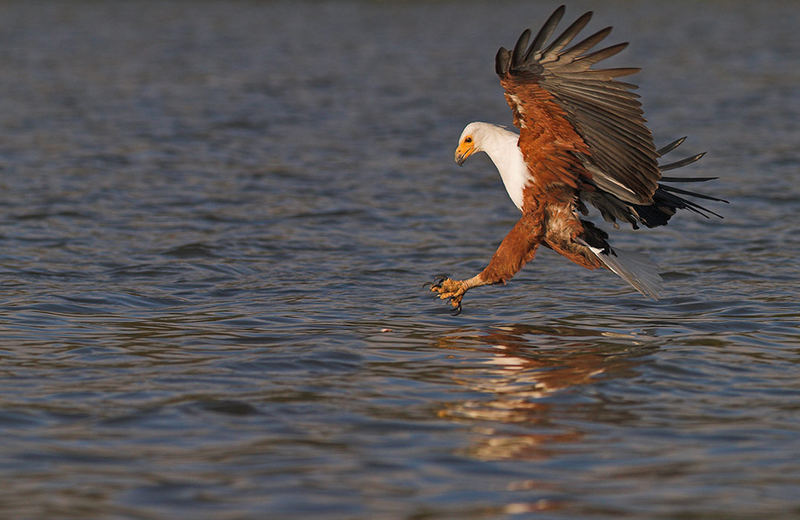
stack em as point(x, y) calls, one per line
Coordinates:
point(516, 249)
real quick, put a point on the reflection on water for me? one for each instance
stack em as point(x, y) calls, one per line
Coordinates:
point(527, 373)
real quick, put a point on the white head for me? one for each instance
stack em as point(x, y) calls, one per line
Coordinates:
point(483, 137)
point(501, 146)
point(471, 140)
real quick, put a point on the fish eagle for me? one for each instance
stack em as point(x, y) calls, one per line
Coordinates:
point(582, 140)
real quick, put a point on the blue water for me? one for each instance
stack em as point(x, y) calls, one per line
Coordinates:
point(217, 222)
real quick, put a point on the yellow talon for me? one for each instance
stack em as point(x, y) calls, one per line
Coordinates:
point(452, 290)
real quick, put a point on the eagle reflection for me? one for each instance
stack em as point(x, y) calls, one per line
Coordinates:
point(530, 408)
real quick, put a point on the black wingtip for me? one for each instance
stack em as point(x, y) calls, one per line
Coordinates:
point(567, 36)
point(518, 55)
point(671, 146)
point(546, 31)
point(502, 61)
point(688, 179)
point(558, 14)
point(681, 163)
point(673, 189)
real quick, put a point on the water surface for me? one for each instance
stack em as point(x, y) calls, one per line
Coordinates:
point(218, 217)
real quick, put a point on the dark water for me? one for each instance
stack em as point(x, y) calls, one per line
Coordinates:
point(217, 219)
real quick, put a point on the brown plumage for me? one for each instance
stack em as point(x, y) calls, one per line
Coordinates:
point(582, 139)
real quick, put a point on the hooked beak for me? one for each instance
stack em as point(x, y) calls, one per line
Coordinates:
point(463, 151)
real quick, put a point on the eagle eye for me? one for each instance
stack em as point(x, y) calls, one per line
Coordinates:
point(468, 140)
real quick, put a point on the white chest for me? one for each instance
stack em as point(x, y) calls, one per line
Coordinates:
point(507, 157)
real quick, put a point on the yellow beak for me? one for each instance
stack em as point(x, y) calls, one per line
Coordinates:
point(463, 151)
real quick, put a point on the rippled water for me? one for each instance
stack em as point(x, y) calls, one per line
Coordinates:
point(217, 220)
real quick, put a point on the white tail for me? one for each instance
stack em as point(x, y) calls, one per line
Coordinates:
point(634, 268)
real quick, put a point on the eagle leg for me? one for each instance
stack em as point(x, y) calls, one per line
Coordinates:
point(516, 249)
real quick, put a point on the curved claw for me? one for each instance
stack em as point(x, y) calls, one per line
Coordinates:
point(451, 290)
point(438, 279)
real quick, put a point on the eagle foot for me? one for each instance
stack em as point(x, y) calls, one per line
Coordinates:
point(449, 289)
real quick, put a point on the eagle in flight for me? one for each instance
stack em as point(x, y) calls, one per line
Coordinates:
point(582, 139)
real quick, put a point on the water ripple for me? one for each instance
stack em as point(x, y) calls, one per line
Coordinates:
point(217, 226)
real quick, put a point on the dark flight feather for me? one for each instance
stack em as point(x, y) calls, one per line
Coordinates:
point(602, 110)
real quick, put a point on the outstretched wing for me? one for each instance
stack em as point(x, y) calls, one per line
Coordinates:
point(576, 123)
